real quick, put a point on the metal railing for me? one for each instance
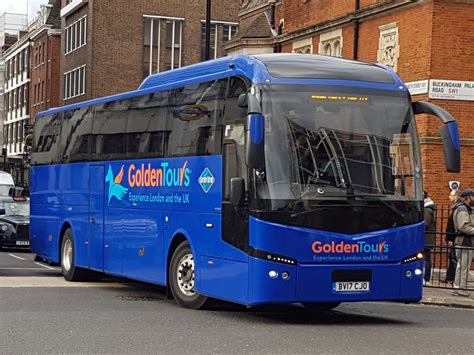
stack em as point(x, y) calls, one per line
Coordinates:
point(445, 257)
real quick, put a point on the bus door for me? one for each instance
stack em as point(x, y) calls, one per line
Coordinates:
point(96, 217)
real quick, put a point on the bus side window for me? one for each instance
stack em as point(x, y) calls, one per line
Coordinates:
point(75, 135)
point(195, 118)
point(109, 124)
point(230, 166)
point(234, 135)
point(147, 136)
point(46, 139)
point(237, 86)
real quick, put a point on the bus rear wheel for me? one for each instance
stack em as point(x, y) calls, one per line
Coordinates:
point(321, 307)
point(181, 278)
point(68, 267)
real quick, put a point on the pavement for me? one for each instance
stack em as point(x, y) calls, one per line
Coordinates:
point(444, 297)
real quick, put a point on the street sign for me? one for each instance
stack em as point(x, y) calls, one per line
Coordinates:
point(451, 90)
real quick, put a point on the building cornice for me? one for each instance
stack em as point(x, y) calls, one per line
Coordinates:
point(39, 31)
point(72, 6)
point(438, 141)
point(360, 15)
point(23, 43)
point(54, 32)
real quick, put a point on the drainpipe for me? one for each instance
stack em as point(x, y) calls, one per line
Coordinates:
point(356, 32)
point(276, 47)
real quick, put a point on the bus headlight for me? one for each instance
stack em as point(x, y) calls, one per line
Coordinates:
point(273, 274)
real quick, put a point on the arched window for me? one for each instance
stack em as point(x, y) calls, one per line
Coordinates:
point(327, 49)
point(337, 49)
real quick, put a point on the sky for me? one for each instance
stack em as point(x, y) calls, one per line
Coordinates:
point(19, 6)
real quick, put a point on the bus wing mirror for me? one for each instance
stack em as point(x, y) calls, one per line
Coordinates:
point(249, 100)
point(237, 188)
point(449, 133)
point(255, 139)
point(242, 100)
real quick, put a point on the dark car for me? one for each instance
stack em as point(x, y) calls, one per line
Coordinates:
point(15, 222)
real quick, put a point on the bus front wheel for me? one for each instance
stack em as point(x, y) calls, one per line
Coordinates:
point(181, 278)
point(68, 268)
point(321, 307)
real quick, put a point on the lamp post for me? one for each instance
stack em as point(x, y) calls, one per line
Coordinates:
point(208, 30)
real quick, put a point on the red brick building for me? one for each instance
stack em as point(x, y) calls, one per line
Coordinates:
point(45, 56)
point(110, 47)
point(428, 43)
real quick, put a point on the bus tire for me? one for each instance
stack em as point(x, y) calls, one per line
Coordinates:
point(321, 307)
point(68, 267)
point(181, 278)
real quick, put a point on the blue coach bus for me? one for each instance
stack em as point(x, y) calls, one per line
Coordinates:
point(252, 179)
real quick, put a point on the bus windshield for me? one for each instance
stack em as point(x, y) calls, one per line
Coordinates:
point(338, 142)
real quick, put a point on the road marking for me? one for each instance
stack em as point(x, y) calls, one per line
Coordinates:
point(54, 281)
point(47, 267)
point(15, 256)
point(20, 268)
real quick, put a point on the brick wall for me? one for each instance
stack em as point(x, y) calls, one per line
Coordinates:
point(451, 58)
point(299, 14)
point(79, 57)
point(46, 72)
point(114, 52)
point(39, 72)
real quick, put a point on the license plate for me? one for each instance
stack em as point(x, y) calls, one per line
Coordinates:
point(22, 242)
point(351, 286)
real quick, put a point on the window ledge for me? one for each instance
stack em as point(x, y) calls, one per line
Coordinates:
point(72, 6)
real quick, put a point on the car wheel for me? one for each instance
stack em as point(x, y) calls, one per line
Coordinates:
point(68, 266)
point(181, 278)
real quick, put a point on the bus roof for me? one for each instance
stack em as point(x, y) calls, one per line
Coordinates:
point(265, 68)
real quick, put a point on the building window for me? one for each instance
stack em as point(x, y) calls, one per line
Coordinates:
point(75, 35)
point(228, 31)
point(174, 41)
point(75, 83)
point(330, 43)
point(163, 44)
point(389, 48)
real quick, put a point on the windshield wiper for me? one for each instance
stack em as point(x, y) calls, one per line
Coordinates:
point(301, 213)
point(385, 203)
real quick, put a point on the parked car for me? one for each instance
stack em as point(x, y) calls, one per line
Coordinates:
point(6, 183)
point(15, 222)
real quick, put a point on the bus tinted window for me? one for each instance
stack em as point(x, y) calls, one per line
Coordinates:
point(75, 135)
point(46, 140)
point(147, 136)
point(109, 124)
point(195, 118)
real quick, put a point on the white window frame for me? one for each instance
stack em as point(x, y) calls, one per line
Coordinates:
point(157, 20)
point(223, 24)
point(75, 35)
point(72, 87)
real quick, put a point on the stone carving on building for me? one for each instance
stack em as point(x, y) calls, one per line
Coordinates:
point(389, 48)
point(330, 43)
point(304, 46)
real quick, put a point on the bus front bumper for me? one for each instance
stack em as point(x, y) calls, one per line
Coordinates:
point(272, 282)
